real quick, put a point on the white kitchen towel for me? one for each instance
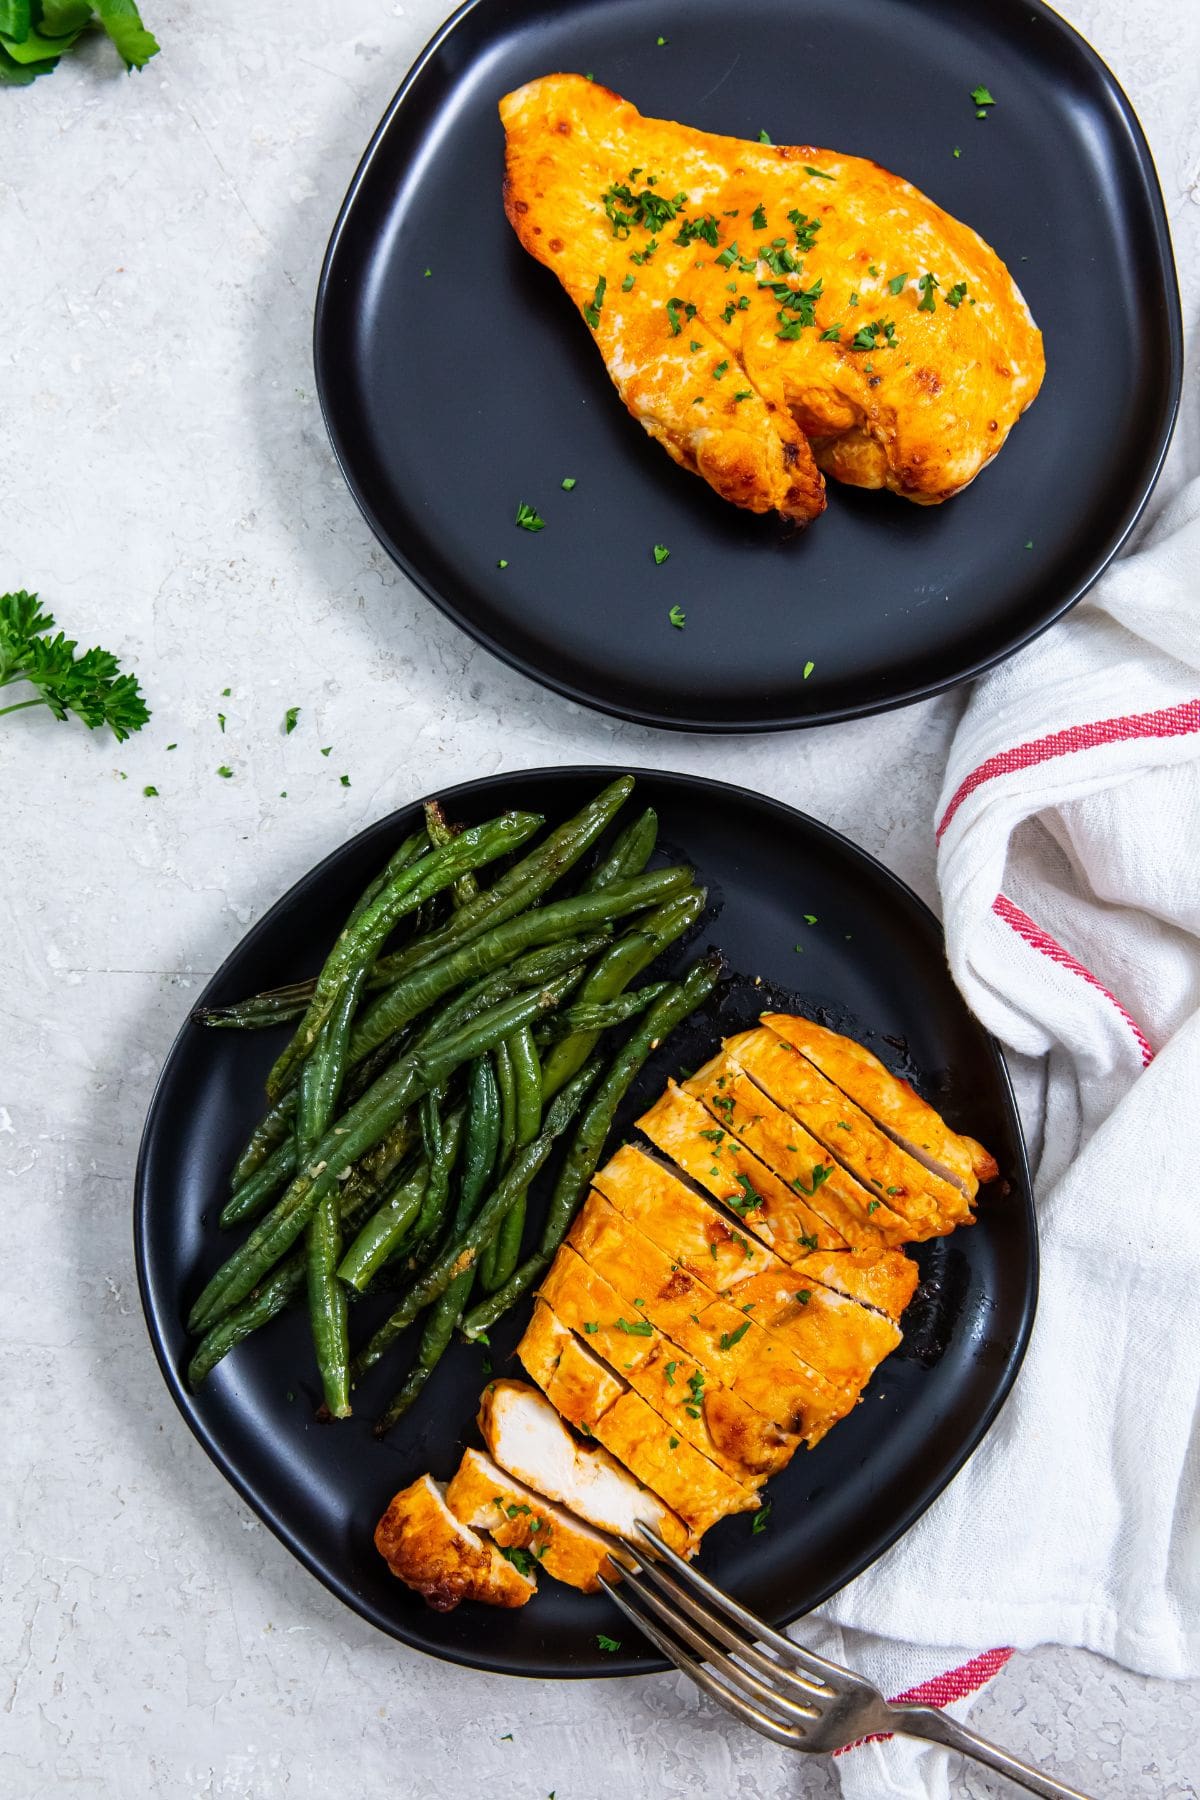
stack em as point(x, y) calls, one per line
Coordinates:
point(1069, 866)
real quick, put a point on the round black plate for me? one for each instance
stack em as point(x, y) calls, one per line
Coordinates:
point(452, 395)
point(875, 961)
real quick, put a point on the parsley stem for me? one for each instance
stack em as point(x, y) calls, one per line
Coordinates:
point(19, 705)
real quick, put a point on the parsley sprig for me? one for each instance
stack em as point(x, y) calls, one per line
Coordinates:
point(35, 34)
point(88, 684)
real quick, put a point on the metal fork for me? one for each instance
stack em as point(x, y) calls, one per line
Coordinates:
point(792, 1696)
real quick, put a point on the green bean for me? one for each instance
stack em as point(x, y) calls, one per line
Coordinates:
point(413, 846)
point(598, 1017)
point(523, 884)
point(462, 1252)
point(506, 1083)
point(581, 1159)
point(466, 888)
point(499, 1260)
point(633, 952)
point(371, 1176)
point(629, 855)
point(255, 1194)
point(395, 1223)
point(274, 1126)
point(358, 944)
point(587, 1147)
point(562, 918)
point(327, 1304)
point(274, 1006)
point(538, 966)
point(479, 1157)
point(359, 1129)
point(324, 1068)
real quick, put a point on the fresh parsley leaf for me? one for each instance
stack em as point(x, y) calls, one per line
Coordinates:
point(149, 792)
point(661, 554)
point(730, 1338)
point(501, 564)
point(661, 41)
point(568, 483)
point(832, 335)
point(744, 394)
point(88, 683)
point(927, 284)
point(820, 1175)
point(677, 617)
point(528, 517)
point(764, 139)
point(636, 1327)
point(225, 772)
point(607, 1643)
point(345, 780)
point(122, 21)
point(591, 1326)
point(627, 284)
point(758, 1523)
point(821, 174)
point(289, 720)
point(521, 1560)
point(592, 312)
point(897, 282)
point(328, 747)
point(957, 294)
point(719, 371)
point(804, 1296)
point(758, 218)
point(981, 97)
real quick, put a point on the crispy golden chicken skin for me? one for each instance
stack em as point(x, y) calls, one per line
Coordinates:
point(768, 310)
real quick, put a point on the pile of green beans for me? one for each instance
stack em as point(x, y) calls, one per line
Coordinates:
point(426, 1082)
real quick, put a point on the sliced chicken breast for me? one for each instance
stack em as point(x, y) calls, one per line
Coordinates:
point(724, 1429)
point(528, 1438)
point(931, 1206)
point(629, 1428)
point(891, 1101)
point(485, 1497)
point(729, 1099)
point(759, 1369)
point(442, 1558)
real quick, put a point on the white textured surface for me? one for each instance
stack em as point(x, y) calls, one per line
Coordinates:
point(168, 486)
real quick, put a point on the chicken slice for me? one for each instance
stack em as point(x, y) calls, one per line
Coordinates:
point(720, 1256)
point(758, 1368)
point(725, 1429)
point(745, 1154)
point(749, 299)
point(629, 1428)
point(486, 1498)
point(890, 1101)
point(528, 1438)
point(435, 1553)
point(931, 1206)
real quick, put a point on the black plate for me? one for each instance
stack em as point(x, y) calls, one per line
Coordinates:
point(875, 960)
point(451, 397)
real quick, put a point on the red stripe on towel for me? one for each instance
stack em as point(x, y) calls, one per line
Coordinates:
point(1041, 940)
point(942, 1690)
point(1168, 721)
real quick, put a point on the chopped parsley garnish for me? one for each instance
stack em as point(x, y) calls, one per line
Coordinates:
point(927, 284)
point(289, 720)
point(744, 394)
point(893, 1190)
point(730, 1338)
point(832, 334)
point(674, 308)
point(879, 334)
point(804, 1296)
point(897, 282)
point(873, 1206)
point(660, 42)
point(808, 669)
point(820, 1175)
point(728, 256)
point(957, 294)
point(636, 1328)
point(225, 772)
point(528, 517)
point(764, 139)
point(428, 273)
point(720, 370)
point(345, 780)
point(758, 218)
point(502, 563)
point(592, 313)
point(714, 1136)
point(591, 1325)
point(821, 174)
point(221, 721)
point(649, 210)
point(810, 918)
point(808, 1242)
point(758, 1523)
point(329, 747)
point(956, 151)
point(748, 1199)
point(661, 554)
point(568, 483)
point(981, 98)
point(607, 1643)
point(670, 1373)
point(677, 617)
point(806, 228)
point(643, 256)
point(150, 792)
point(705, 227)
point(627, 284)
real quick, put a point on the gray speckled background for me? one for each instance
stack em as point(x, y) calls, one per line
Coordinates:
point(167, 484)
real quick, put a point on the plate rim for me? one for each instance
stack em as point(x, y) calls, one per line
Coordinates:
point(184, 1402)
point(1112, 545)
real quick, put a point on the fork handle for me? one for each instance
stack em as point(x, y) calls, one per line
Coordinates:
point(930, 1722)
